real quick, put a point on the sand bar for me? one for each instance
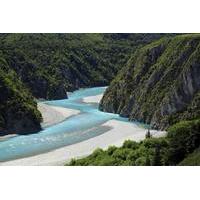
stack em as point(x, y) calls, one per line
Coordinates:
point(116, 132)
point(119, 132)
point(53, 115)
point(93, 99)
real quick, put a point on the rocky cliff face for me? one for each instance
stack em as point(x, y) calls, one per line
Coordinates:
point(160, 84)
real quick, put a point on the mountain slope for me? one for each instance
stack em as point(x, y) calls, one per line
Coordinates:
point(51, 64)
point(18, 110)
point(160, 84)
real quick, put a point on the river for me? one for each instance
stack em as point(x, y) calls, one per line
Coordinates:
point(73, 130)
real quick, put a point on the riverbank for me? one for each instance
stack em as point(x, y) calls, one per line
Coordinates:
point(93, 99)
point(53, 115)
point(118, 133)
point(109, 132)
point(6, 137)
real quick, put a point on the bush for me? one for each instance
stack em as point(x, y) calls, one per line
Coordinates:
point(97, 152)
point(184, 138)
point(154, 142)
point(192, 159)
point(121, 154)
point(111, 150)
point(141, 161)
point(104, 161)
point(130, 144)
point(148, 134)
point(156, 161)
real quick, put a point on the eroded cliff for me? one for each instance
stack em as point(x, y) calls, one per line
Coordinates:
point(160, 84)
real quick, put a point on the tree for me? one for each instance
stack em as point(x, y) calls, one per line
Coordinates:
point(157, 157)
point(148, 134)
point(148, 161)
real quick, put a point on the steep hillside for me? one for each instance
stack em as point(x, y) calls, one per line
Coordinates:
point(51, 64)
point(160, 84)
point(48, 65)
point(18, 110)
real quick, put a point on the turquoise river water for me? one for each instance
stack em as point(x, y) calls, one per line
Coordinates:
point(72, 130)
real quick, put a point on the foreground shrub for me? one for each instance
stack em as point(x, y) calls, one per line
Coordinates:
point(184, 138)
point(130, 144)
point(192, 159)
point(111, 150)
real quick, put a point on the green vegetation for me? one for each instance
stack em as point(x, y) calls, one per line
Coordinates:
point(131, 153)
point(159, 85)
point(51, 64)
point(48, 65)
point(192, 159)
point(182, 139)
point(18, 110)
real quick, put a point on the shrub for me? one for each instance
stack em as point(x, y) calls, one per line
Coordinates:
point(157, 157)
point(97, 152)
point(184, 138)
point(111, 150)
point(148, 134)
point(130, 144)
point(192, 159)
point(121, 154)
point(141, 161)
point(105, 161)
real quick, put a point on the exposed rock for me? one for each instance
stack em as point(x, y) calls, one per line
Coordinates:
point(25, 124)
point(159, 82)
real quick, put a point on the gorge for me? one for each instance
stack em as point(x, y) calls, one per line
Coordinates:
point(120, 85)
point(160, 83)
point(83, 131)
